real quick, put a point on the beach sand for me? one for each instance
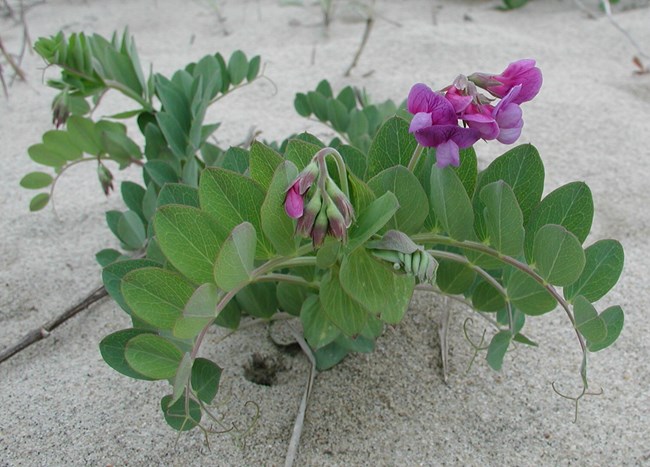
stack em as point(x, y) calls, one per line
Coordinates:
point(62, 405)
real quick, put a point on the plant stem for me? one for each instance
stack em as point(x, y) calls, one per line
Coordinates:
point(340, 165)
point(291, 279)
point(415, 157)
point(475, 246)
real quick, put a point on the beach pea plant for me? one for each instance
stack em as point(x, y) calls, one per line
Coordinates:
point(340, 236)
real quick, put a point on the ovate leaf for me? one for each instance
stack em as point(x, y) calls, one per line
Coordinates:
point(113, 348)
point(558, 255)
point(342, 311)
point(603, 266)
point(234, 264)
point(205, 379)
point(153, 356)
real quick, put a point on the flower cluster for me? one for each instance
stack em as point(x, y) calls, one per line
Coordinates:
point(321, 208)
point(436, 115)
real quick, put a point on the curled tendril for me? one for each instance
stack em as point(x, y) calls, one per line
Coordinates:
point(576, 399)
point(477, 348)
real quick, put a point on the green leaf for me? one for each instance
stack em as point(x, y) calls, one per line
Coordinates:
point(236, 258)
point(613, 318)
point(497, 349)
point(113, 348)
point(324, 88)
point(318, 104)
point(36, 180)
point(181, 379)
point(235, 159)
point(372, 219)
point(451, 204)
point(347, 97)
point(300, 152)
point(486, 298)
point(253, 68)
point(376, 286)
point(291, 297)
point(558, 255)
point(199, 310)
point(205, 379)
point(60, 142)
point(528, 295)
point(113, 274)
point(153, 356)
point(338, 115)
point(316, 326)
point(278, 227)
point(354, 159)
point(258, 299)
point(522, 169)
point(133, 195)
point(177, 193)
point(39, 201)
point(328, 254)
point(263, 163)
point(175, 414)
point(43, 155)
point(161, 172)
point(230, 316)
point(468, 170)
point(329, 355)
point(503, 218)
point(393, 145)
point(233, 199)
point(237, 67)
point(570, 206)
point(454, 278)
point(82, 131)
point(413, 204)
point(590, 325)
point(190, 239)
point(342, 311)
point(131, 230)
point(107, 256)
point(156, 296)
point(301, 104)
point(603, 266)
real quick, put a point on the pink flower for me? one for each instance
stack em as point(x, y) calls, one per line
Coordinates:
point(435, 124)
point(507, 115)
point(521, 72)
point(293, 202)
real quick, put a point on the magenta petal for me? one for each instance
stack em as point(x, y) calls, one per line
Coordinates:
point(294, 204)
point(419, 99)
point(465, 137)
point(488, 128)
point(447, 154)
point(458, 101)
point(420, 121)
point(510, 135)
point(509, 116)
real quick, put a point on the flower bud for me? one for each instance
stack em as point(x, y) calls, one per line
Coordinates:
point(105, 178)
point(306, 222)
point(293, 202)
point(307, 177)
point(341, 201)
point(337, 224)
point(60, 111)
point(320, 227)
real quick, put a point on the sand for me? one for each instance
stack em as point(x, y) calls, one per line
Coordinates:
point(61, 405)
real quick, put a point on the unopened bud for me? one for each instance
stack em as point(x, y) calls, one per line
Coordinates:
point(306, 222)
point(307, 177)
point(320, 228)
point(60, 110)
point(342, 202)
point(337, 225)
point(105, 178)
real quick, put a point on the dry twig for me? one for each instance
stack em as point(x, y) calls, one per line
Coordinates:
point(45, 330)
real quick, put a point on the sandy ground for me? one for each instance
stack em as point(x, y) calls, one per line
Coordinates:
point(61, 405)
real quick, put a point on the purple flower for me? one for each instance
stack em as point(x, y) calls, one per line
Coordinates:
point(507, 115)
point(480, 117)
point(521, 72)
point(293, 201)
point(435, 124)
